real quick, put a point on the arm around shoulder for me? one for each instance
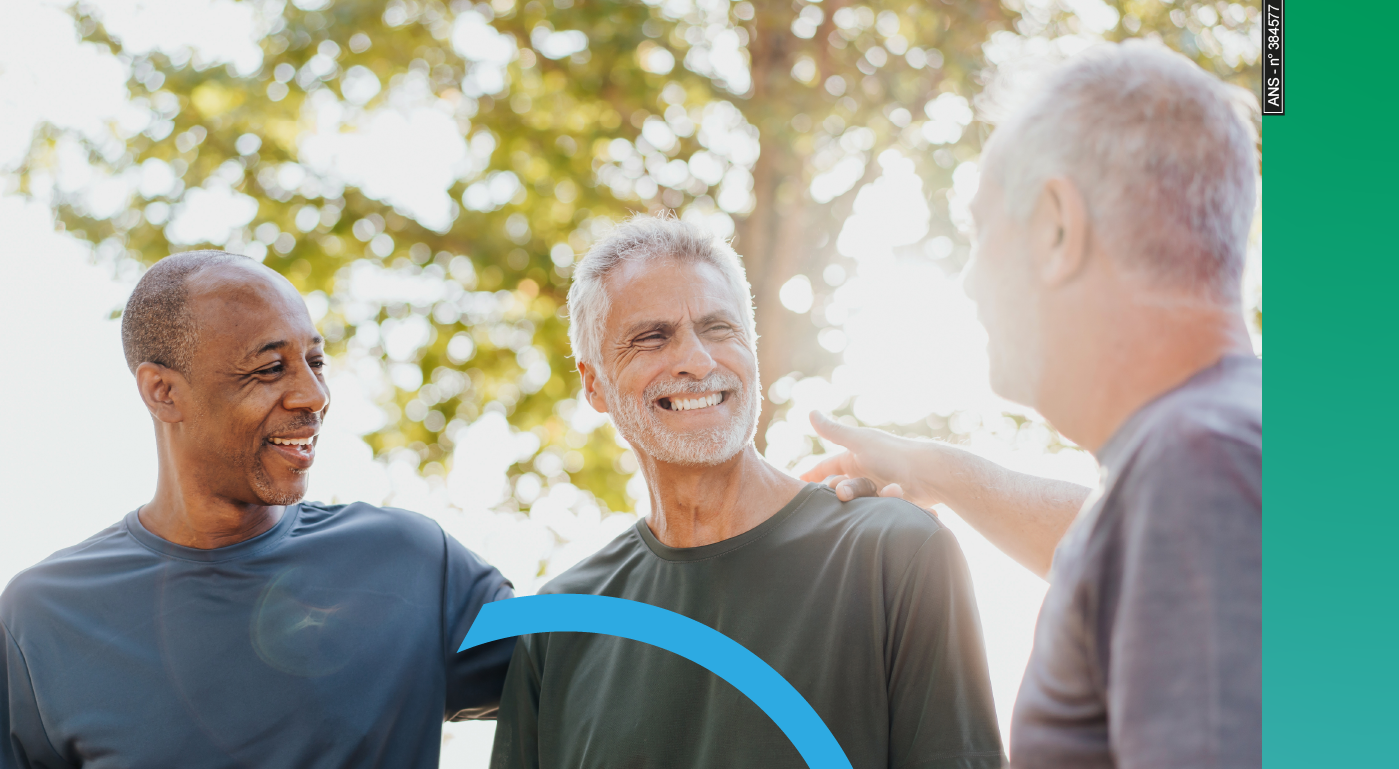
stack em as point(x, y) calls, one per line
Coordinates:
point(517, 731)
point(474, 677)
point(1023, 515)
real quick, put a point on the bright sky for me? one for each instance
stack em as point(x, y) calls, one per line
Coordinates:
point(81, 451)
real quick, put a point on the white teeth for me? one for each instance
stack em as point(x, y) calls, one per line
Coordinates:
point(293, 441)
point(698, 403)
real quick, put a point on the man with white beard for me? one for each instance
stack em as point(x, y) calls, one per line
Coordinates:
point(865, 607)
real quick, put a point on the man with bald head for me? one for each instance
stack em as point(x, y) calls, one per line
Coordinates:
point(226, 623)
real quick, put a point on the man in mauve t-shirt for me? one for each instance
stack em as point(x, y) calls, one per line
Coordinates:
point(1112, 220)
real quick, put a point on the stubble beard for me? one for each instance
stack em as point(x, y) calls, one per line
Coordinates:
point(267, 491)
point(264, 488)
point(642, 428)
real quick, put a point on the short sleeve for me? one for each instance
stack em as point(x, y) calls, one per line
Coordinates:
point(942, 715)
point(1184, 672)
point(517, 730)
point(474, 676)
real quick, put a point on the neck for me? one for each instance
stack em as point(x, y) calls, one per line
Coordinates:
point(692, 506)
point(1139, 350)
point(185, 513)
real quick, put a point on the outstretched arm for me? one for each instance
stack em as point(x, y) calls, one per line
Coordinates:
point(1023, 515)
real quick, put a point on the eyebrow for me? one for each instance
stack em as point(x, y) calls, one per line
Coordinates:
point(718, 315)
point(647, 325)
point(279, 344)
point(665, 325)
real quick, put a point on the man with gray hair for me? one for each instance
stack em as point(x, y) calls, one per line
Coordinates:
point(1111, 224)
point(866, 607)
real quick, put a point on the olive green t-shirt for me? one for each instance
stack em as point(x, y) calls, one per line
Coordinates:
point(866, 607)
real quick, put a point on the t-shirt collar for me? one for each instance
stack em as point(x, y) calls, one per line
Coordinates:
point(711, 550)
point(266, 539)
point(1107, 454)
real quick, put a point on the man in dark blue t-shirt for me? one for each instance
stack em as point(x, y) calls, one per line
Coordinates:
point(225, 623)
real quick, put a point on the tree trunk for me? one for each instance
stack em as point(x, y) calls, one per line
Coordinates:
point(771, 238)
point(778, 240)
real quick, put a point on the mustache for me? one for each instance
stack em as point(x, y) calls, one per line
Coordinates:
point(304, 420)
point(717, 380)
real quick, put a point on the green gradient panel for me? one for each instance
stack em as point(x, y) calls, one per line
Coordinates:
point(1330, 531)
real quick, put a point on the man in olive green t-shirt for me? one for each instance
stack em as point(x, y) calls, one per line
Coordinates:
point(865, 607)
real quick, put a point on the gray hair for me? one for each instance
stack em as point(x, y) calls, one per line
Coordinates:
point(1163, 152)
point(157, 326)
point(644, 238)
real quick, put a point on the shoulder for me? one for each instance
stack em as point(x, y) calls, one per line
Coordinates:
point(70, 569)
point(606, 568)
point(1195, 459)
point(890, 521)
point(1212, 423)
point(388, 526)
point(1222, 404)
point(890, 535)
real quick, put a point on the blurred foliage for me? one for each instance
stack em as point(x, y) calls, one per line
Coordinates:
point(763, 120)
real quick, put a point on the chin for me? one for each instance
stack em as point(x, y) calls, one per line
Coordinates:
point(1014, 383)
point(274, 493)
point(280, 497)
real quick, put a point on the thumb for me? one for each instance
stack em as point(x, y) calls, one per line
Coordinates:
point(835, 432)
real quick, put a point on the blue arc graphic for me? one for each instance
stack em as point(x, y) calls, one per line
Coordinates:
point(675, 633)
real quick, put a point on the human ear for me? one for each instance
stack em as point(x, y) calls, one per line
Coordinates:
point(591, 391)
point(1061, 232)
point(162, 389)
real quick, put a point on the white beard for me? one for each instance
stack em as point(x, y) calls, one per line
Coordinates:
point(644, 430)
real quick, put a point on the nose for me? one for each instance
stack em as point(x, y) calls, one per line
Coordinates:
point(308, 391)
point(692, 357)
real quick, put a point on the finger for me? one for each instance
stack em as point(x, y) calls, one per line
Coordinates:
point(833, 480)
point(892, 490)
point(835, 432)
point(856, 487)
point(826, 468)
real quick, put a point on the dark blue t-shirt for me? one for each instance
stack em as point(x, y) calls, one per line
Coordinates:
point(327, 641)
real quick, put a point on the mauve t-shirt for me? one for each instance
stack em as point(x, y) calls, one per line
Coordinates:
point(1147, 653)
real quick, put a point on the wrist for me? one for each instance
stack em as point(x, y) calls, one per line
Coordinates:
point(952, 475)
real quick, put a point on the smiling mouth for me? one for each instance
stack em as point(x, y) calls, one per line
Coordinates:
point(692, 402)
point(301, 451)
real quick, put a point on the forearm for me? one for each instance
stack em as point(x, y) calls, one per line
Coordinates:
point(1023, 515)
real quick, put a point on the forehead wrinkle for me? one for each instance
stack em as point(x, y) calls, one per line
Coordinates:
point(719, 314)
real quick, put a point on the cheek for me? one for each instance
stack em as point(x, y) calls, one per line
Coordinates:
point(995, 281)
point(738, 358)
point(242, 425)
point(629, 379)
